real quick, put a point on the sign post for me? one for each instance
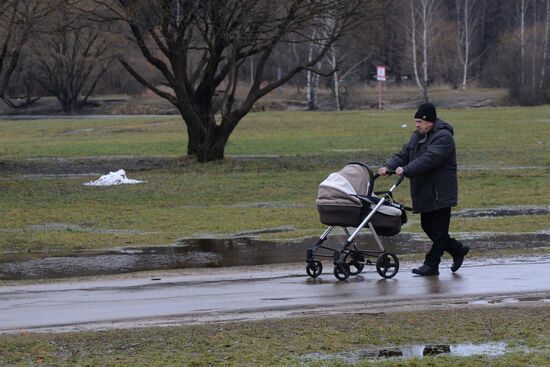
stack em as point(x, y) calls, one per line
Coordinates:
point(380, 77)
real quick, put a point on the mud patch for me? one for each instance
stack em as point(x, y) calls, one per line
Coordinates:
point(270, 205)
point(78, 132)
point(245, 235)
point(89, 165)
point(488, 167)
point(412, 351)
point(103, 264)
point(77, 228)
point(73, 117)
point(48, 176)
point(503, 211)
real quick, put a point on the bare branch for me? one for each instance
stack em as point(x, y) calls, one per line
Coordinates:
point(145, 83)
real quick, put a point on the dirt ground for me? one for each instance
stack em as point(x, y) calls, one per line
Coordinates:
point(89, 165)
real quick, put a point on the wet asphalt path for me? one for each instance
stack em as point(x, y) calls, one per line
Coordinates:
point(256, 293)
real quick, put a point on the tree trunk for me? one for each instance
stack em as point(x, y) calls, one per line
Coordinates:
point(523, 9)
point(534, 62)
point(193, 141)
point(336, 83)
point(207, 140)
point(425, 48)
point(310, 81)
point(545, 44)
point(212, 152)
point(422, 86)
point(464, 37)
point(311, 91)
point(212, 148)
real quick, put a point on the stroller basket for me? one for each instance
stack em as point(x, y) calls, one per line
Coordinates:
point(384, 224)
point(346, 199)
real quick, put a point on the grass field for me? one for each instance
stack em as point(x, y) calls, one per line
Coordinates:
point(502, 152)
point(308, 341)
point(504, 161)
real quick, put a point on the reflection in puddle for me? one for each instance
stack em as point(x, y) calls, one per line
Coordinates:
point(487, 349)
point(494, 301)
point(413, 351)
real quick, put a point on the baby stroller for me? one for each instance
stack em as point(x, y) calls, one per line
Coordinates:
point(346, 199)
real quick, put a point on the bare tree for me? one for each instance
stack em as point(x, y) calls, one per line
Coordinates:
point(19, 21)
point(199, 47)
point(71, 61)
point(312, 79)
point(342, 74)
point(333, 61)
point(522, 39)
point(545, 43)
point(467, 22)
point(424, 11)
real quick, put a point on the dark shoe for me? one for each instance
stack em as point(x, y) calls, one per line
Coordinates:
point(426, 270)
point(457, 260)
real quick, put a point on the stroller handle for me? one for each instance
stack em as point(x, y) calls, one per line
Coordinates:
point(389, 173)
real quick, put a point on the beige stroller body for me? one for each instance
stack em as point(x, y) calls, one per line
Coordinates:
point(346, 199)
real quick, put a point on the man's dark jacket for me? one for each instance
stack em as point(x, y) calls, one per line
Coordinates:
point(430, 162)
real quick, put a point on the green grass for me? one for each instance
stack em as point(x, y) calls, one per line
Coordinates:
point(525, 330)
point(484, 136)
point(190, 199)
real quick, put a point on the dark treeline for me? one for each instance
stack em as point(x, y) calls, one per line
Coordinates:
point(220, 56)
point(55, 48)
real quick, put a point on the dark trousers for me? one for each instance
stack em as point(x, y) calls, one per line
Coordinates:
point(436, 225)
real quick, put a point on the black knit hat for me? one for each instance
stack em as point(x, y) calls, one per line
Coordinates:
point(426, 111)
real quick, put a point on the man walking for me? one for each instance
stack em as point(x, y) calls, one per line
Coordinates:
point(429, 160)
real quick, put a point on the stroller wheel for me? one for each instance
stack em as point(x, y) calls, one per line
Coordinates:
point(387, 265)
point(341, 271)
point(314, 268)
point(356, 264)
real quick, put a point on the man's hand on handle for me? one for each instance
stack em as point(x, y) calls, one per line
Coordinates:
point(383, 171)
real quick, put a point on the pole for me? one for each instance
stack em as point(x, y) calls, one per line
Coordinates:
point(380, 77)
point(379, 95)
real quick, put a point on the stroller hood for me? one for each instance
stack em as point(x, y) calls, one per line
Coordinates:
point(339, 187)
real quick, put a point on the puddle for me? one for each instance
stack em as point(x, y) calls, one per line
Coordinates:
point(412, 351)
point(227, 252)
point(507, 300)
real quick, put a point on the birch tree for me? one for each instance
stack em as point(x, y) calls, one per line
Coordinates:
point(545, 44)
point(312, 79)
point(422, 22)
point(467, 23)
point(522, 40)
